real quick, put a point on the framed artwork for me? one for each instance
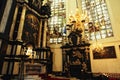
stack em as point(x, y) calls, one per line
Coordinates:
point(31, 27)
point(106, 53)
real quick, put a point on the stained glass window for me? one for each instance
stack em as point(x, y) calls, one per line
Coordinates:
point(57, 21)
point(99, 16)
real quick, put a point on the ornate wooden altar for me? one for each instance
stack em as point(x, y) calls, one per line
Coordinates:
point(76, 55)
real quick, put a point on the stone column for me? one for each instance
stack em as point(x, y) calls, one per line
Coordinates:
point(19, 38)
point(39, 34)
point(16, 64)
point(57, 57)
point(13, 23)
point(5, 64)
point(44, 42)
point(5, 17)
point(21, 24)
point(44, 33)
point(9, 48)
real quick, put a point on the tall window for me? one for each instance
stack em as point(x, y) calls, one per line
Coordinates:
point(97, 14)
point(57, 21)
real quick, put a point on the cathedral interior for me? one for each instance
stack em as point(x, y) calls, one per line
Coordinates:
point(44, 40)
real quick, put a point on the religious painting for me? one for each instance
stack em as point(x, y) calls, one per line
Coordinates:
point(30, 30)
point(106, 53)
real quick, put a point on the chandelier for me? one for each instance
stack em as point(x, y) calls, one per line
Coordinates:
point(75, 20)
point(97, 47)
point(78, 21)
